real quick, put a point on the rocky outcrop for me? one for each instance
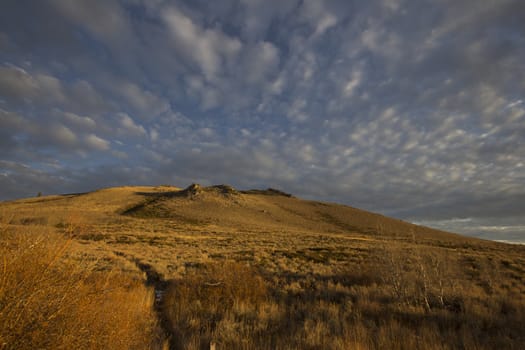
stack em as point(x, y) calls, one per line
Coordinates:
point(192, 190)
point(195, 190)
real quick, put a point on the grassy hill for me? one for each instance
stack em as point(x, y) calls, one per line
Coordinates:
point(247, 269)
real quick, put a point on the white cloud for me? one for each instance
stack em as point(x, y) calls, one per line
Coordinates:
point(83, 97)
point(276, 87)
point(142, 100)
point(318, 16)
point(63, 136)
point(154, 135)
point(96, 143)
point(79, 122)
point(256, 16)
point(516, 114)
point(306, 153)
point(129, 127)
point(296, 111)
point(210, 48)
point(13, 122)
point(327, 21)
point(119, 154)
point(260, 60)
point(206, 132)
point(106, 20)
point(352, 84)
point(514, 103)
point(380, 41)
point(17, 83)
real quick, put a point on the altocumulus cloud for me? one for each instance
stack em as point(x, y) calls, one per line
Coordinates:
point(415, 109)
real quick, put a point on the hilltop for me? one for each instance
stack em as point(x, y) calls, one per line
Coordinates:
point(220, 206)
point(279, 271)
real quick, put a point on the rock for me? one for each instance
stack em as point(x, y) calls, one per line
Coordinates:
point(192, 190)
point(225, 189)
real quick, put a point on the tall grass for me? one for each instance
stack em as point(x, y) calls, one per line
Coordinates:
point(403, 298)
point(49, 301)
point(200, 305)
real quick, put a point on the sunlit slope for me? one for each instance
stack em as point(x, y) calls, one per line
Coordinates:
point(98, 205)
point(269, 210)
point(215, 206)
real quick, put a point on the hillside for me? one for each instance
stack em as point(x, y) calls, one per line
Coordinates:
point(281, 272)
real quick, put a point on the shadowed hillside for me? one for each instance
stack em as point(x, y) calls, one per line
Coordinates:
point(257, 269)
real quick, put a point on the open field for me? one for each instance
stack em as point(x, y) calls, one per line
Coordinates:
point(246, 270)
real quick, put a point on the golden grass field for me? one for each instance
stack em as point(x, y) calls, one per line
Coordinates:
point(165, 268)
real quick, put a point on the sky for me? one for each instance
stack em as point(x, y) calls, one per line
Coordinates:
point(414, 109)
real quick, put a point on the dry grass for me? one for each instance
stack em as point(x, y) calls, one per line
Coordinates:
point(49, 301)
point(430, 303)
point(200, 305)
point(252, 270)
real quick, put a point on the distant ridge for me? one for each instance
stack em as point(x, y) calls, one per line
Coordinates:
point(225, 206)
point(270, 208)
point(270, 192)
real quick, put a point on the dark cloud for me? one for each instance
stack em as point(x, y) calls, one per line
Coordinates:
point(411, 108)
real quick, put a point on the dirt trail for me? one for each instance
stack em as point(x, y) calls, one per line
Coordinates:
point(153, 279)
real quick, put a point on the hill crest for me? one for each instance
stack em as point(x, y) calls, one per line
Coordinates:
point(224, 206)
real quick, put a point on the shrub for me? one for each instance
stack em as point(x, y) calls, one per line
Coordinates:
point(48, 301)
point(197, 303)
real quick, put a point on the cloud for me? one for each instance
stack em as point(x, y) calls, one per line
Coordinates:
point(20, 180)
point(78, 122)
point(20, 86)
point(261, 60)
point(256, 17)
point(29, 138)
point(50, 135)
point(409, 108)
point(129, 127)
point(209, 48)
point(352, 84)
point(60, 135)
point(321, 19)
point(107, 20)
point(96, 143)
point(248, 164)
point(83, 97)
point(142, 101)
point(508, 229)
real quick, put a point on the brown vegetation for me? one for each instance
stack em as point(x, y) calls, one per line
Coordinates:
point(50, 301)
point(399, 300)
point(248, 270)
